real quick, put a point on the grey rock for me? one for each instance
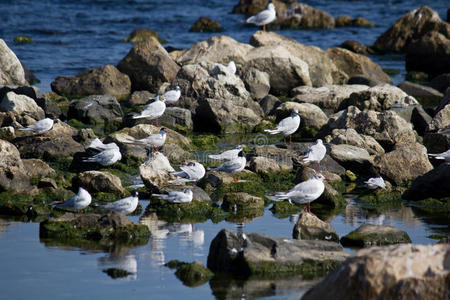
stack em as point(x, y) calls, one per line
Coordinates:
point(364, 80)
point(351, 157)
point(351, 137)
point(368, 235)
point(310, 227)
point(424, 94)
point(13, 175)
point(99, 182)
point(21, 104)
point(11, 70)
point(94, 109)
point(432, 184)
point(198, 193)
point(310, 115)
point(269, 104)
point(256, 82)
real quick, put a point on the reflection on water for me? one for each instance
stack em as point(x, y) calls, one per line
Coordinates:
point(124, 261)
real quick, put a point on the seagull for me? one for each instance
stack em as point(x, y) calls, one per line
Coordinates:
point(154, 141)
point(375, 182)
point(153, 110)
point(233, 166)
point(231, 67)
point(98, 145)
point(444, 155)
point(193, 171)
point(77, 202)
point(177, 197)
point(106, 157)
point(304, 192)
point(316, 153)
point(227, 155)
point(264, 17)
point(40, 126)
point(124, 206)
point(172, 96)
point(287, 126)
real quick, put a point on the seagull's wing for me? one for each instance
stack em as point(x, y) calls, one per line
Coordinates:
point(260, 17)
point(229, 166)
point(119, 205)
point(308, 187)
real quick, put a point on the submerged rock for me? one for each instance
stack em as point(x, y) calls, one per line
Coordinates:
point(193, 274)
point(142, 34)
point(310, 227)
point(396, 272)
point(205, 24)
point(375, 235)
point(263, 256)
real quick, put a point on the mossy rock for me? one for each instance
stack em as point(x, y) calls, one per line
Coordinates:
point(350, 175)
point(244, 216)
point(391, 71)
point(381, 197)
point(433, 206)
point(22, 39)
point(284, 208)
point(116, 273)
point(205, 142)
point(205, 24)
point(242, 201)
point(193, 274)
point(141, 35)
point(264, 124)
point(375, 235)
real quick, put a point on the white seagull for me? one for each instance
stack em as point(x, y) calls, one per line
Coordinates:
point(98, 145)
point(287, 126)
point(106, 157)
point(172, 96)
point(231, 67)
point(40, 126)
point(77, 202)
point(375, 182)
point(264, 17)
point(154, 141)
point(233, 166)
point(193, 171)
point(444, 155)
point(315, 153)
point(227, 155)
point(153, 110)
point(124, 206)
point(304, 192)
point(177, 197)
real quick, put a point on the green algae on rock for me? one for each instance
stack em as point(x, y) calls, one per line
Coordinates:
point(193, 274)
point(116, 273)
point(375, 235)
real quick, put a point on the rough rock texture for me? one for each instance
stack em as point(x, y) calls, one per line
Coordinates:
point(421, 92)
point(441, 120)
point(354, 46)
point(401, 272)
point(148, 65)
point(97, 181)
point(310, 114)
point(27, 90)
point(432, 184)
point(142, 34)
point(436, 142)
point(283, 157)
point(11, 70)
point(37, 168)
point(155, 171)
point(97, 81)
point(393, 166)
point(95, 109)
point(21, 105)
point(257, 82)
point(13, 175)
point(140, 97)
point(242, 201)
point(264, 165)
point(342, 21)
point(264, 256)
point(368, 235)
point(310, 227)
point(351, 137)
point(269, 104)
point(193, 274)
point(205, 24)
point(351, 157)
point(198, 193)
point(177, 116)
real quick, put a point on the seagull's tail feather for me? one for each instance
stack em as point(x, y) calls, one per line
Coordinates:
point(215, 156)
point(161, 196)
point(179, 180)
point(26, 129)
point(437, 156)
point(278, 197)
point(96, 144)
point(272, 131)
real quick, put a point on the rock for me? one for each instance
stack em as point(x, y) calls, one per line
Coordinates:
point(441, 120)
point(310, 227)
point(342, 21)
point(351, 137)
point(310, 115)
point(205, 24)
point(260, 255)
point(21, 105)
point(242, 201)
point(282, 157)
point(424, 94)
point(140, 98)
point(37, 168)
point(256, 82)
point(198, 193)
point(7, 133)
point(351, 157)
point(177, 117)
point(432, 184)
point(249, 7)
point(155, 171)
point(27, 90)
point(420, 119)
point(368, 235)
point(141, 35)
point(263, 165)
point(440, 82)
point(95, 109)
point(175, 153)
point(436, 142)
point(328, 97)
point(392, 165)
point(430, 53)
point(412, 271)
point(148, 65)
point(13, 175)
point(11, 70)
point(50, 108)
point(47, 183)
point(410, 26)
point(364, 80)
point(97, 81)
point(193, 274)
point(269, 104)
point(352, 64)
point(99, 182)
point(354, 46)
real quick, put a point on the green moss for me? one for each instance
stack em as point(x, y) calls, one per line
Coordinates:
point(350, 175)
point(77, 124)
point(355, 239)
point(116, 273)
point(174, 264)
point(381, 197)
point(436, 236)
point(22, 39)
point(307, 132)
point(205, 142)
point(264, 124)
point(193, 274)
point(390, 71)
point(284, 208)
point(284, 99)
point(434, 206)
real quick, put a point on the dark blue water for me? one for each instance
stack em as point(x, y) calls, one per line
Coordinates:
point(73, 35)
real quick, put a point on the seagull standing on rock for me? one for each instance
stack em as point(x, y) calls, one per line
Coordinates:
point(227, 155)
point(315, 153)
point(172, 96)
point(124, 206)
point(264, 17)
point(153, 141)
point(233, 166)
point(40, 126)
point(81, 200)
point(287, 126)
point(153, 110)
point(177, 197)
point(305, 192)
point(193, 171)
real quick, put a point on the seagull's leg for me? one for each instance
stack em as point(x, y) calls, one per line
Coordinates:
point(290, 139)
point(157, 123)
point(318, 165)
point(264, 27)
point(284, 139)
point(235, 178)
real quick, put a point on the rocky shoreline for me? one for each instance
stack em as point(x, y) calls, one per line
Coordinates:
point(369, 126)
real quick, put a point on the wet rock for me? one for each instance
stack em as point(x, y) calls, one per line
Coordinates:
point(413, 272)
point(148, 65)
point(263, 256)
point(50, 108)
point(422, 93)
point(393, 167)
point(242, 201)
point(328, 97)
point(343, 21)
point(198, 193)
point(95, 109)
point(13, 175)
point(155, 171)
point(354, 46)
point(364, 80)
point(256, 82)
point(140, 98)
point(283, 157)
point(351, 137)
point(436, 142)
point(310, 227)
point(21, 105)
point(11, 69)
point(441, 120)
point(37, 168)
point(99, 182)
point(310, 115)
point(440, 82)
point(116, 273)
point(352, 64)
point(193, 274)
point(300, 15)
point(352, 157)
point(375, 235)
point(432, 184)
point(268, 104)
point(205, 24)
point(141, 35)
point(264, 165)
point(178, 118)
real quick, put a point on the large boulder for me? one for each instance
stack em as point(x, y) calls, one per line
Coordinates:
point(155, 171)
point(351, 137)
point(424, 94)
point(432, 184)
point(257, 82)
point(300, 15)
point(205, 24)
point(21, 105)
point(95, 109)
point(13, 175)
point(401, 272)
point(441, 120)
point(310, 227)
point(11, 70)
point(99, 182)
point(97, 81)
point(148, 65)
point(368, 235)
point(351, 157)
point(310, 115)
